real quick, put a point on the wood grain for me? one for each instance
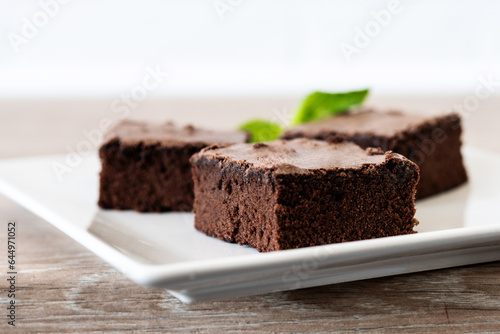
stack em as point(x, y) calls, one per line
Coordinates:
point(62, 287)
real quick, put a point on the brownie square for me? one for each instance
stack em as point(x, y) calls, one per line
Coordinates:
point(298, 193)
point(433, 143)
point(146, 168)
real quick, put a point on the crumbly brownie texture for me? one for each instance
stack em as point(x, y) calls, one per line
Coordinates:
point(299, 193)
point(433, 143)
point(146, 167)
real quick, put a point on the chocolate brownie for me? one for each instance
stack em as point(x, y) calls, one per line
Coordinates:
point(298, 193)
point(145, 167)
point(433, 143)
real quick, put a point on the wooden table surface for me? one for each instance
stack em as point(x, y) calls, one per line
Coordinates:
point(63, 287)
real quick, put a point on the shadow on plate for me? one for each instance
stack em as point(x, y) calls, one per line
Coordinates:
point(444, 211)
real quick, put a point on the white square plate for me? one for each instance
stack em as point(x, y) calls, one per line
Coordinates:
point(164, 250)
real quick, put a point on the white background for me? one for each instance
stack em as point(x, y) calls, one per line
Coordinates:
point(101, 48)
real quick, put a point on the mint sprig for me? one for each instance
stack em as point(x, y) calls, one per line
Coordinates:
point(262, 130)
point(315, 106)
point(319, 105)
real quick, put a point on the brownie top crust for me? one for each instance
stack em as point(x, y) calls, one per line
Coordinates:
point(298, 155)
point(134, 132)
point(386, 124)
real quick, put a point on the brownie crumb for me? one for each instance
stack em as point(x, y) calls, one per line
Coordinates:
point(259, 145)
point(337, 139)
point(374, 151)
point(212, 147)
point(189, 129)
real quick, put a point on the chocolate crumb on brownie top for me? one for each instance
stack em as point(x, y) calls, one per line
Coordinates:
point(134, 132)
point(299, 155)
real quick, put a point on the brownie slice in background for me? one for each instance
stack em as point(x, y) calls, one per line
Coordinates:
point(146, 168)
point(432, 142)
point(298, 193)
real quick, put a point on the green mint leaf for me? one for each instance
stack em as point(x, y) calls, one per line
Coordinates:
point(261, 131)
point(320, 105)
